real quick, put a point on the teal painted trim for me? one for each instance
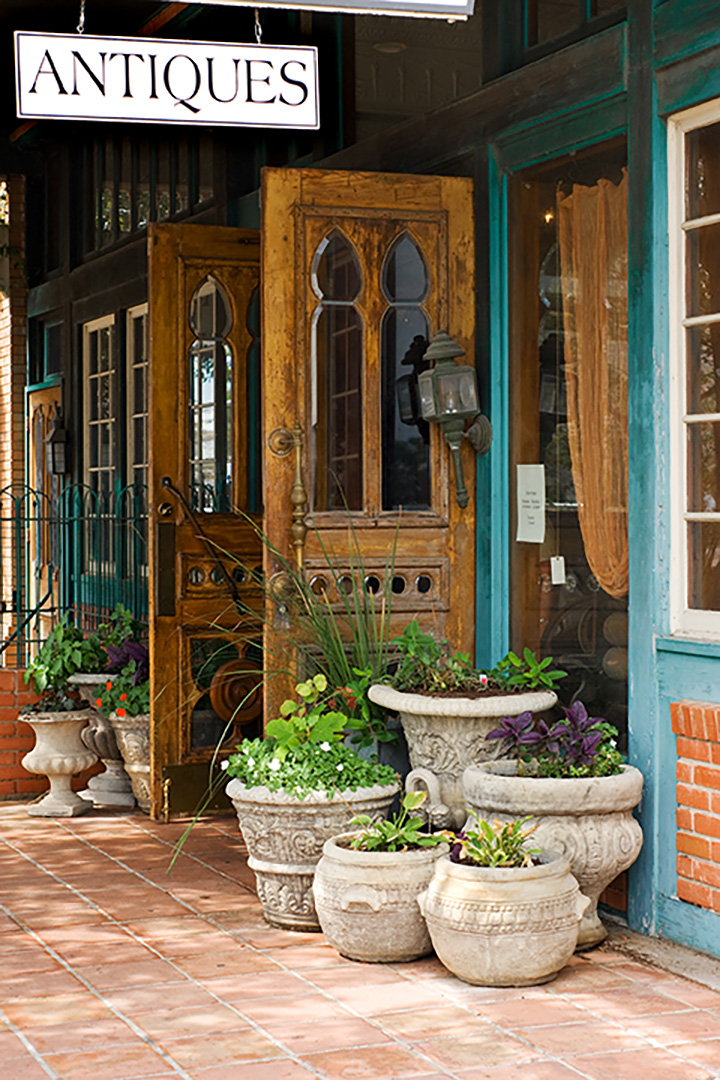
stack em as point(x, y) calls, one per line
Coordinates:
point(680, 675)
point(689, 82)
point(688, 648)
point(684, 28)
point(543, 140)
point(499, 623)
point(47, 384)
point(689, 925)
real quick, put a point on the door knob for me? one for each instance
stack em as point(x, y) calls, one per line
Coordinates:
point(165, 509)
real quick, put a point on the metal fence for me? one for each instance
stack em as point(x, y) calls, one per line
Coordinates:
point(71, 551)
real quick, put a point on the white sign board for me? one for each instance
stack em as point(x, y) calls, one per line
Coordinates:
point(531, 504)
point(151, 81)
point(438, 9)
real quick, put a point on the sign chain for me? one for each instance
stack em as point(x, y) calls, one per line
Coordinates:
point(81, 24)
point(258, 27)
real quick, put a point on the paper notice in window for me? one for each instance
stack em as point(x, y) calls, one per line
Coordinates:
point(531, 503)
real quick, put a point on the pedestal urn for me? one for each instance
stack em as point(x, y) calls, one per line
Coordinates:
point(59, 754)
point(112, 787)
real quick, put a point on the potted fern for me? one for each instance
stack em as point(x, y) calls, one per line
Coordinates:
point(447, 707)
point(368, 880)
point(296, 788)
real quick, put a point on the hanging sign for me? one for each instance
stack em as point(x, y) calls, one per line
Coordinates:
point(150, 81)
point(439, 9)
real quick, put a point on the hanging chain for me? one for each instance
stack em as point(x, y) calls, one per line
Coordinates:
point(258, 27)
point(81, 24)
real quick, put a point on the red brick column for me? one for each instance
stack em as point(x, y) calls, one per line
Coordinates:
point(697, 727)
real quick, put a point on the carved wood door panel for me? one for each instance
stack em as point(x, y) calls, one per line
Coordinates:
point(359, 271)
point(204, 487)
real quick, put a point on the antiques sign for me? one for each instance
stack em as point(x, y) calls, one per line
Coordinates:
point(147, 80)
point(439, 9)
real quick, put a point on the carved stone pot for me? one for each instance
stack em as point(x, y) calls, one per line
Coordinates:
point(503, 927)
point(285, 836)
point(112, 787)
point(366, 901)
point(59, 754)
point(589, 820)
point(132, 734)
point(445, 735)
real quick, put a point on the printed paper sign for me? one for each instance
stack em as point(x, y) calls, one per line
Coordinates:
point(152, 81)
point(531, 503)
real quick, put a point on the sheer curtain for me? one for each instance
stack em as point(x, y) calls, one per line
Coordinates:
point(592, 227)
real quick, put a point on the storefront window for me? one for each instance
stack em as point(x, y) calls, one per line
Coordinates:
point(569, 408)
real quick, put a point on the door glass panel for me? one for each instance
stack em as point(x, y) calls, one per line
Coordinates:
point(338, 364)
point(254, 425)
point(568, 387)
point(405, 337)
point(211, 393)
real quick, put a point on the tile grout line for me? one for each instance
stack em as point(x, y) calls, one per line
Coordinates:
point(35, 1054)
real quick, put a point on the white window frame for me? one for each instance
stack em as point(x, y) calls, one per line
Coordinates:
point(88, 329)
point(132, 466)
point(684, 620)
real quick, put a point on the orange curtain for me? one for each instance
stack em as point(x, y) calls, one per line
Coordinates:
point(592, 228)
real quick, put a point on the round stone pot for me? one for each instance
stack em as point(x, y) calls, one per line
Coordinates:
point(112, 787)
point(285, 836)
point(445, 735)
point(59, 754)
point(503, 927)
point(366, 901)
point(589, 820)
point(132, 734)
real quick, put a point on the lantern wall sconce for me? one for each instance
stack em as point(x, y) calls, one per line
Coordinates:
point(56, 441)
point(448, 397)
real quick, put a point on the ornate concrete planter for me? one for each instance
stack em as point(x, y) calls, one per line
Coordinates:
point(132, 734)
point(503, 927)
point(59, 754)
point(366, 901)
point(588, 820)
point(445, 735)
point(112, 787)
point(285, 837)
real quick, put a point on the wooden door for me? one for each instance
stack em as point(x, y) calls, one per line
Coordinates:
point(359, 271)
point(204, 487)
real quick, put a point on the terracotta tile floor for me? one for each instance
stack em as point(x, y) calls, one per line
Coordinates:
point(110, 969)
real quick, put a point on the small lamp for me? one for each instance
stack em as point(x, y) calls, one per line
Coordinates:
point(448, 397)
point(56, 447)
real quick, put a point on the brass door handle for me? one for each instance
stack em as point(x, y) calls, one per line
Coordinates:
point(280, 442)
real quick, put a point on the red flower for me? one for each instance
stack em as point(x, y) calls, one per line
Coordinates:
point(99, 703)
point(120, 713)
point(123, 697)
point(108, 685)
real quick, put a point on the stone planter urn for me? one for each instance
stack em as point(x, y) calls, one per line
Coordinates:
point(513, 926)
point(445, 735)
point(366, 901)
point(589, 820)
point(59, 754)
point(285, 837)
point(112, 787)
point(132, 734)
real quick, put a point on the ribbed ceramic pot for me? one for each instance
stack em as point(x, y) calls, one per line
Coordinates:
point(589, 820)
point(59, 754)
point(132, 734)
point(285, 837)
point(366, 901)
point(503, 927)
point(445, 735)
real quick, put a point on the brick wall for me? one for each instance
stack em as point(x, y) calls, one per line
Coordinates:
point(697, 727)
point(17, 738)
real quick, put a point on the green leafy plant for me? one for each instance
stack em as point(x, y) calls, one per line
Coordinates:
point(123, 696)
point(528, 673)
point(426, 665)
point(499, 844)
point(65, 652)
point(304, 751)
point(398, 833)
point(121, 626)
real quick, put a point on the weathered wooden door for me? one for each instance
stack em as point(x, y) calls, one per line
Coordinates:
point(204, 486)
point(359, 271)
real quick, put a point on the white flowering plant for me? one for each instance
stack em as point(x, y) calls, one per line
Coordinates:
point(304, 749)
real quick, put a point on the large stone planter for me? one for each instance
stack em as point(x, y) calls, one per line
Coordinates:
point(503, 927)
point(445, 735)
point(366, 901)
point(285, 836)
point(132, 734)
point(58, 754)
point(112, 787)
point(588, 820)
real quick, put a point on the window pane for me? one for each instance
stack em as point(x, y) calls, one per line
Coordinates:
point(555, 18)
point(125, 187)
point(704, 565)
point(405, 275)
point(703, 467)
point(339, 350)
point(405, 435)
point(703, 369)
point(143, 184)
point(703, 171)
point(336, 270)
point(703, 270)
